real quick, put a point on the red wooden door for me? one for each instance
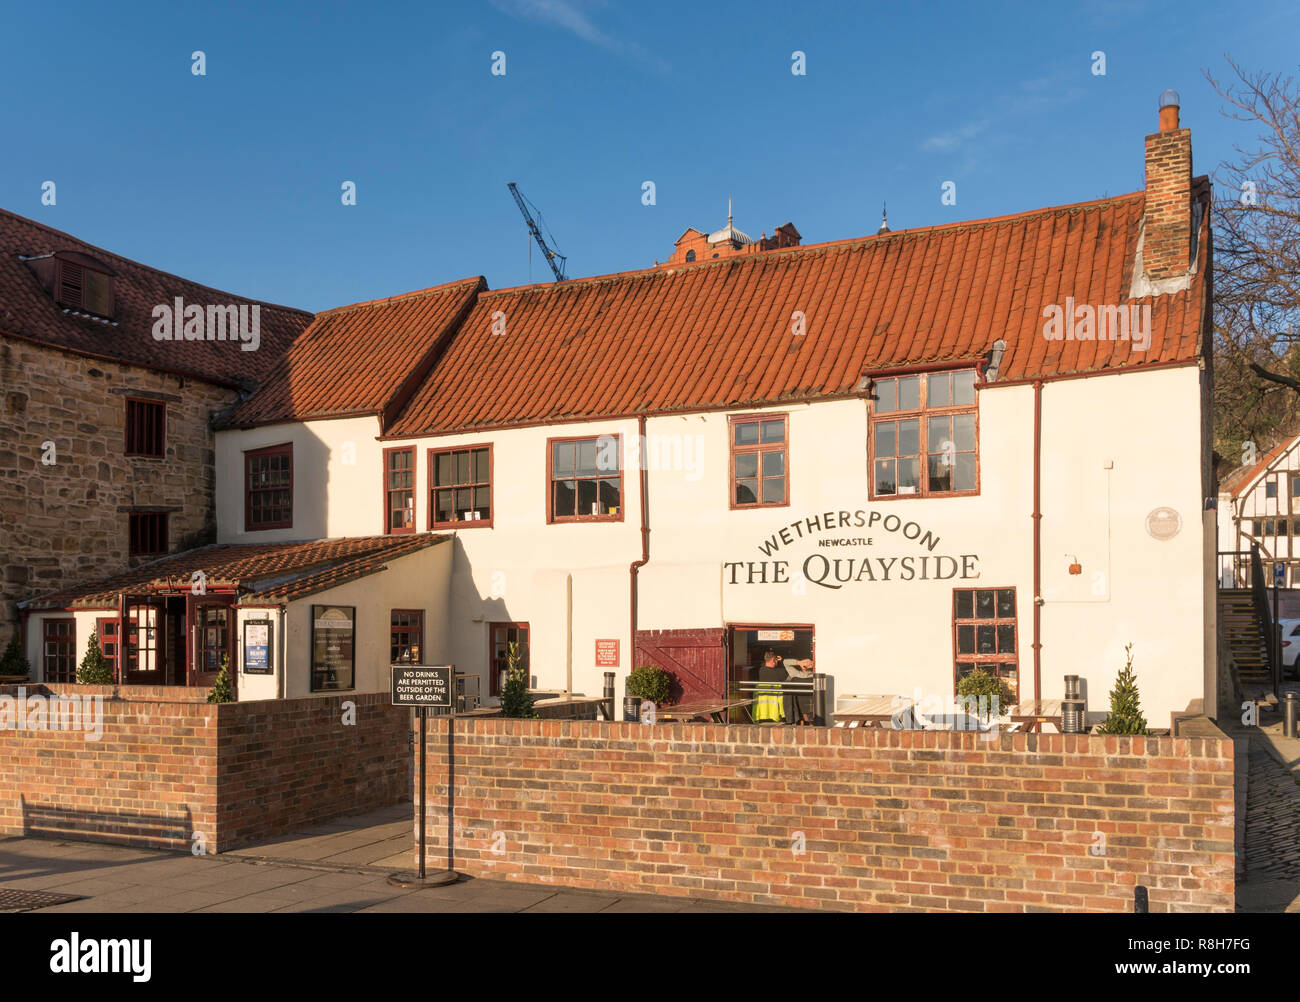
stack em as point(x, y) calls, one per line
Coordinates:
point(696, 659)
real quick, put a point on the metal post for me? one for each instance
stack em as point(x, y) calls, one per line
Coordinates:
point(424, 767)
point(819, 700)
point(1277, 638)
point(1290, 714)
point(609, 695)
point(451, 793)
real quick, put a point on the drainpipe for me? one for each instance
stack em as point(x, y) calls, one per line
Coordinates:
point(1038, 541)
point(568, 634)
point(282, 683)
point(645, 536)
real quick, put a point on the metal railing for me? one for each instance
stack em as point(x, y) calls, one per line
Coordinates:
point(1259, 594)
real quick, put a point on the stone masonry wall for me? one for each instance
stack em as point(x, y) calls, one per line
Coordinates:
point(844, 819)
point(66, 524)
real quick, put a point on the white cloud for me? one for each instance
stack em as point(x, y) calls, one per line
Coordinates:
point(572, 16)
point(947, 142)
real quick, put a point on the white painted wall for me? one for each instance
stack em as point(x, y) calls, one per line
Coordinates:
point(336, 479)
point(418, 580)
point(1115, 448)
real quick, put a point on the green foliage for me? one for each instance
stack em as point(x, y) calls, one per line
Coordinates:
point(1125, 707)
point(94, 668)
point(649, 682)
point(516, 700)
point(221, 691)
point(981, 683)
point(13, 662)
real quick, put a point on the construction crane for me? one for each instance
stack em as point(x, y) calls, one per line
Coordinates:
point(550, 255)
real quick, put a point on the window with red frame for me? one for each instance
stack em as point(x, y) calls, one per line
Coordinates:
point(268, 488)
point(923, 435)
point(59, 650)
point(106, 633)
point(399, 490)
point(148, 533)
point(759, 477)
point(585, 478)
point(500, 637)
point(146, 428)
point(460, 486)
point(407, 636)
point(984, 634)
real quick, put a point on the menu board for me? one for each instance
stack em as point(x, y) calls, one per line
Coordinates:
point(333, 647)
point(257, 647)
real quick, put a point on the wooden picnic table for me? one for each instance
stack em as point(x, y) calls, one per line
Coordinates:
point(1033, 713)
point(716, 710)
point(869, 710)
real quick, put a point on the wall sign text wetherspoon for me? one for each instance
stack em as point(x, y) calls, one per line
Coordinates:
point(833, 530)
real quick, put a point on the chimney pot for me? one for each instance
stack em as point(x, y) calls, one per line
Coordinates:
point(1169, 103)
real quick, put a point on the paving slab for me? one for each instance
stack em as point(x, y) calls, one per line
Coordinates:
point(143, 881)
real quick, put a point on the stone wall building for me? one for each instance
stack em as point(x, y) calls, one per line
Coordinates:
point(106, 444)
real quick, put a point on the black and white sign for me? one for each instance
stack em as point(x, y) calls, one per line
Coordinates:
point(422, 685)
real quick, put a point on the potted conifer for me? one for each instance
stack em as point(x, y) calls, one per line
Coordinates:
point(1126, 715)
point(94, 668)
point(13, 666)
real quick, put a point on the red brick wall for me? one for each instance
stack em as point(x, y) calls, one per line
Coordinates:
point(168, 765)
point(150, 780)
point(288, 764)
point(890, 820)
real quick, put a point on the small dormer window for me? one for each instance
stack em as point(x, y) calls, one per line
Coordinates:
point(79, 287)
point(77, 282)
point(690, 256)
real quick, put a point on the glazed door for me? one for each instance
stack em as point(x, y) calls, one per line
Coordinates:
point(146, 650)
point(211, 639)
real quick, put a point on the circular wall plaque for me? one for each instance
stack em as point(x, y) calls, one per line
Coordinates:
point(1164, 524)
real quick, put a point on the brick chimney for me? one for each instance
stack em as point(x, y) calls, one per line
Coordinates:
point(1167, 244)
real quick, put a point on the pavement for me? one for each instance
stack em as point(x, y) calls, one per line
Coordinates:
point(339, 867)
point(1272, 882)
point(384, 839)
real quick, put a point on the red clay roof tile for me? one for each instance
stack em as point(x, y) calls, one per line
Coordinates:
point(318, 565)
point(28, 311)
point(718, 334)
point(356, 359)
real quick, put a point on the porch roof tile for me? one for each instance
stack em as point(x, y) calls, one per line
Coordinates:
point(261, 573)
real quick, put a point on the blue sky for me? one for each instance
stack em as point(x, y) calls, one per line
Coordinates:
point(233, 178)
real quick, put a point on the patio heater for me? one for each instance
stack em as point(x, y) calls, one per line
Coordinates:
point(1072, 707)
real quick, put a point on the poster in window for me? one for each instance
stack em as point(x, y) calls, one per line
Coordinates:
point(333, 645)
point(257, 647)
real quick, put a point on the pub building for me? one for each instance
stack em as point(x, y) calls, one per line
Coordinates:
point(898, 455)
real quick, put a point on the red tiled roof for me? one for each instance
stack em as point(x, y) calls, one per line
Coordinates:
point(1239, 480)
point(360, 359)
point(289, 570)
point(718, 334)
point(28, 311)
